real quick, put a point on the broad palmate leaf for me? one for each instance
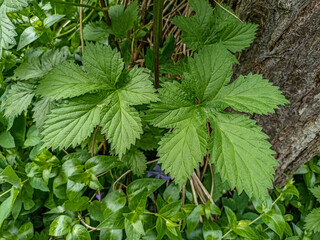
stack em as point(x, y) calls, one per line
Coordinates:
point(239, 149)
point(241, 153)
point(105, 86)
point(204, 28)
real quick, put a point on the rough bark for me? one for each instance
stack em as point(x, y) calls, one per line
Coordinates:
point(287, 51)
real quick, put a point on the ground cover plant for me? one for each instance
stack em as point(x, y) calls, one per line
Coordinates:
point(118, 125)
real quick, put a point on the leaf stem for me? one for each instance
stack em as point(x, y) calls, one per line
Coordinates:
point(157, 29)
point(81, 5)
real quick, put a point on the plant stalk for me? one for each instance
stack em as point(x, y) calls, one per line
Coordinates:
point(80, 5)
point(157, 38)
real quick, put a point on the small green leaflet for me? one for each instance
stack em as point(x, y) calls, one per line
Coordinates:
point(37, 67)
point(123, 19)
point(237, 144)
point(204, 28)
point(18, 99)
point(103, 95)
point(136, 161)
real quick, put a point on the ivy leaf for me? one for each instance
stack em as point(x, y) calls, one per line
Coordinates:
point(60, 226)
point(79, 232)
point(37, 67)
point(136, 161)
point(251, 94)
point(71, 122)
point(204, 28)
point(275, 221)
point(239, 146)
point(7, 140)
point(18, 99)
point(313, 221)
point(181, 151)
point(6, 205)
point(29, 35)
point(68, 80)
point(123, 19)
point(9, 175)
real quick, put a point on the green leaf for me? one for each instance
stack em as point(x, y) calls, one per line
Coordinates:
point(316, 192)
point(233, 34)
point(79, 232)
point(161, 227)
point(208, 71)
point(138, 191)
point(100, 164)
point(172, 193)
point(275, 221)
point(211, 230)
point(14, 5)
point(11, 177)
point(170, 209)
point(123, 19)
point(121, 124)
point(232, 218)
point(133, 224)
point(181, 151)
point(239, 146)
point(136, 161)
point(60, 226)
point(19, 97)
point(26, 231)
point(111, 234)
point(313, 221)
point(198, 29)
point(41, 110)
point(37, 67)
point(204, 28)
point(6, 140)
point(6, 205)
point(29, 35)
point(71, 122)
point(77, 204)
point(7, 32)
point(103, 62)
point(114, 201)
point(68, 80)
point(194, 218)
point(95, 31)
point(244, 230)
point(51, 20)
point(175, 106)
point(251, 94)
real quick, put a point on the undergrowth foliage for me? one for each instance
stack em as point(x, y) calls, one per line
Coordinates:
point(74, 124)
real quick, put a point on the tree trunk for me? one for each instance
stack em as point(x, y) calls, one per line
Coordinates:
point(287, 51)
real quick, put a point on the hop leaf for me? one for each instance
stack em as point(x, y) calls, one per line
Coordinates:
point(237, 144)
point(205, 28)
point(102, 85)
